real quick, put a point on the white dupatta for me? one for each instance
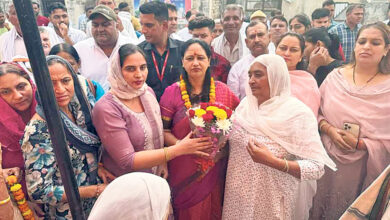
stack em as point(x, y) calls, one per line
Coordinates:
point(287, 121)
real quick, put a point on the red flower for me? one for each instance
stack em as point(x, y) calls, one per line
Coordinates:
point(192, 113)
point(229, 113)
point(210, 112)
point(203, 105)
point(207, 117)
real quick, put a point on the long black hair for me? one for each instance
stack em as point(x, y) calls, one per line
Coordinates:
point(301, 65)
point(204, 96)
point(67, 48)
point(331, 41)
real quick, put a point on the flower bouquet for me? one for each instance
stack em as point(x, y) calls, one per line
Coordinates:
point(210, 120)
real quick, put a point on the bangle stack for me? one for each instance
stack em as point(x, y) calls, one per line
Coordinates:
point(286, 167)
point(166, 154)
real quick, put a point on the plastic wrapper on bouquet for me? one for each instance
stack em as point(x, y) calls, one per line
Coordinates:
point(211, 120)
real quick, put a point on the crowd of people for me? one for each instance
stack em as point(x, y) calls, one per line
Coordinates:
point(310, 100)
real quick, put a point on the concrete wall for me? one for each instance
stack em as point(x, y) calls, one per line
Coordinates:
point(291, 8)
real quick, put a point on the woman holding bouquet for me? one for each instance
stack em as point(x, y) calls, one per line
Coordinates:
point(128, 120)
point(194, 196)
point(274, 154)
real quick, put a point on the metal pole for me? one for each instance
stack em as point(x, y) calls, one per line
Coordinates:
point(35, 53)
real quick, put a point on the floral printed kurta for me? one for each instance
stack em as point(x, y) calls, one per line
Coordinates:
point(257, 191)
point(43, 176)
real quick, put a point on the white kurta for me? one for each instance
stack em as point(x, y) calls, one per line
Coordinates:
point(94, 62)
point(74, 35)
point(238, 76)
point(257, 191)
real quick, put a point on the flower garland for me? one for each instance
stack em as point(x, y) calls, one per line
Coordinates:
point(186, 97)
point(19, 197)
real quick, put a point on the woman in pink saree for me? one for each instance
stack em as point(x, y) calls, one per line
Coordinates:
point(195, 195)
point(354, 122)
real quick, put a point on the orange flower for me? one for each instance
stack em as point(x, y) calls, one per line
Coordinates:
point(19, 197)
point(186, 98)
point(11, 180)
point(19, 192)
point(23, 208)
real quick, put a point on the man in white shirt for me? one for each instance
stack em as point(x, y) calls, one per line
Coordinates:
point(231, 44)
point(62, 32)
point(11, 43)
point(96, 53)
point(257, 40)
point(124, 23)
point(185, 32)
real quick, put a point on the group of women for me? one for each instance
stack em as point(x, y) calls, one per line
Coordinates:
point(276, 156)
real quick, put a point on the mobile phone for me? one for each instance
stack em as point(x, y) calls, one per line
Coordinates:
point(352, 128)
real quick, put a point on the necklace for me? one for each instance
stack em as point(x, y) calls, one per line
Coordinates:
point(185, 96)
point(368, 81)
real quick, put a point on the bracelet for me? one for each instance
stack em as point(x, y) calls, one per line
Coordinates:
point(97, 191)
point(286, 167)
point(166, 154)
point(5, 200)
point(100, 164)
point(322, 124)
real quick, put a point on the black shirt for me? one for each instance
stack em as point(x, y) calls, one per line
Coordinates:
point(172, 69)
point(323, 71)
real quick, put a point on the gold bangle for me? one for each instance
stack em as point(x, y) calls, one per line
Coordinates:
point(287, 168)
point(322, 124)
point(5, 200)
point(166, 154)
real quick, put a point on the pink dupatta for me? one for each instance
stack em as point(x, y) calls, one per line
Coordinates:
point(11, 131)
point(304, 87)
point(369, 107)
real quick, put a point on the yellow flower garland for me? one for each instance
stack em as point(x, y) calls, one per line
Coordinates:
point(186, 97)
point(19, 197)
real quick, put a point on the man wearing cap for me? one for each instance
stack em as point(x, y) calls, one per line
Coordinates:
point(62, 32)
point(259, 16)
point(97, 52)
point(125, 26)
point(162, 52)
point(257, 40)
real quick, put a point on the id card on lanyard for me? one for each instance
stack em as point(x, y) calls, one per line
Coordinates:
point(160, 75)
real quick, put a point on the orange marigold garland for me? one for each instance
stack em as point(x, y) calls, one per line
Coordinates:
point(19, 197)
point(186, 97)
